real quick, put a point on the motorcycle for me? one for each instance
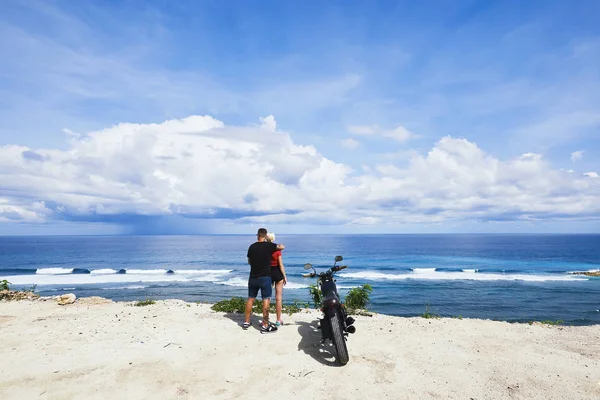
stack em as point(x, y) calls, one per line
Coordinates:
point(335, 324)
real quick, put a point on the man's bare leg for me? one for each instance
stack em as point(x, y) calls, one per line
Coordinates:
point(266, 305)
point(248, 312)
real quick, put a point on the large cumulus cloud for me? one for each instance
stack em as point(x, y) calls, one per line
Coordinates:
point(200, 168)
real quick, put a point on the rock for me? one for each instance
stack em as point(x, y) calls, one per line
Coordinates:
point(588, 273)
point(17, 295)
point(68, 298)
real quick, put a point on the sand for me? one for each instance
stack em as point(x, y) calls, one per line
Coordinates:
point(97, 349)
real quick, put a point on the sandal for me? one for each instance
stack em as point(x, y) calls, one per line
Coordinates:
point(246, 325)
point(268, 329)
point(279, 323)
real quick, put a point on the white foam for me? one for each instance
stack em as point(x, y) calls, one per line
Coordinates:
point(423, 270)
point(137, 277)
point(146, 271)
point(444, 275)
point(239, 282)
point(294, 285)
point(104, 271)
point(53, 271)
point(243, 282)
point(202, 271)
point(373, 276)
point(470, 271)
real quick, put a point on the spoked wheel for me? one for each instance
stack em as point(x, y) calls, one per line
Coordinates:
point(338, 339)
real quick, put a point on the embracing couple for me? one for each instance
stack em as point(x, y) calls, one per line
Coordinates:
point(266, 271)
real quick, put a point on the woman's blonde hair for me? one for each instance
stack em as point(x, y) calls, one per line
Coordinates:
point(270, 237)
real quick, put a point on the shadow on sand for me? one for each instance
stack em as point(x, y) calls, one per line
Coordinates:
point(310, 339)
point(310, 343)
point(238, 318)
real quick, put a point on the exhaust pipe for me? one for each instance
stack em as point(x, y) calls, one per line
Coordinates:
point(349, 321)
point(351, 329)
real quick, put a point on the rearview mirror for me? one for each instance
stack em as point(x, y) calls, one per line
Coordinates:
point(307, 266)
point(338, 258)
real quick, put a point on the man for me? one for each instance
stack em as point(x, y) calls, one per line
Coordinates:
point(259, 258)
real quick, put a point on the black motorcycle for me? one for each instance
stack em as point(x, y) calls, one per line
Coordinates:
point(335, 324)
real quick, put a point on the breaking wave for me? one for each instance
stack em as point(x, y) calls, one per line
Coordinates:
point(465, 274)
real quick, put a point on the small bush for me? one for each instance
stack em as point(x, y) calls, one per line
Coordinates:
point(7, 294)
point(548, 322)
point(238, 305)
point(235, 305)
point(428, 314)
point(358, 297)
point(146, 302)
point(316, 295)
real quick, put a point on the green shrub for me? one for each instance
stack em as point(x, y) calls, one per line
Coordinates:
point(4, 285)
point(428, 314)
point(235, 305)
point(548, 322)
point(238, 305)
point(358, 297)
point(316, 295)
point(146, 302)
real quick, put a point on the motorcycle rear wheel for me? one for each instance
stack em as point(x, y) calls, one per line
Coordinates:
point(337, 336)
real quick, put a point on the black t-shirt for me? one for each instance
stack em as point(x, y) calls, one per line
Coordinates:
point(259, 255)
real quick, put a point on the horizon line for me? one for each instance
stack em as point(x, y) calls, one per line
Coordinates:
point(319, 234)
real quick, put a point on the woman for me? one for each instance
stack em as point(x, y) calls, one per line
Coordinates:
point(278, 278)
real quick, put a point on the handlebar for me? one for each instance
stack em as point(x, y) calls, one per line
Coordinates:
point(335, 269)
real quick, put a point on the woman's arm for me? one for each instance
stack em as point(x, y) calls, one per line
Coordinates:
point(282, 268)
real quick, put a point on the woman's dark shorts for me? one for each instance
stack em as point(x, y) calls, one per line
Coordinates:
point(263, 283)
point(276, 274)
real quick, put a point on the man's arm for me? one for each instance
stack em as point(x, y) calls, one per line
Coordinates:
point(248, 260)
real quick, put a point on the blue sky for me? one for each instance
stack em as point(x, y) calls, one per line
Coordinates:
point(358, 98)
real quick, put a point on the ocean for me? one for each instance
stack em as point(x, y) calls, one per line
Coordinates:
point(503, 277)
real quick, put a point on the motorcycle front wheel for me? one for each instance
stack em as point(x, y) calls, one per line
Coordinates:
point(337, 336)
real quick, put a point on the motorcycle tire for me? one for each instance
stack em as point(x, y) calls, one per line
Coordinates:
point(337, 335)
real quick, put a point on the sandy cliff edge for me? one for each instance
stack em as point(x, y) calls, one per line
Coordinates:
point(98, 349)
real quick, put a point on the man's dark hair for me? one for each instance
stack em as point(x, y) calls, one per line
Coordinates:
point(262, 232)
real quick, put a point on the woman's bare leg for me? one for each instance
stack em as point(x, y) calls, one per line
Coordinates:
point(278, 298)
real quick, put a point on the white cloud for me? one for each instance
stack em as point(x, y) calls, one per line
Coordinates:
point(576, 155)
point(364, 130)
point(33, 212)
point(400, 134)
point(198, 166)
point(269, 124)
point(350, 143)
point(531, 156)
